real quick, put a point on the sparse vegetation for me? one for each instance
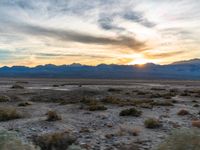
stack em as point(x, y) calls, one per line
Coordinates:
point(131, 112)
point(53, 116)
point(10, 141)
point(196, 123)
point(196, 105)
point(127, 130)
point(97, 107)
point(162, 103)
point(114, 90)
point(4, 98)
point(157, 89)
point(184, 139)
point(183, 112)
point(93, 105)
point(55, 141)
point(17, 86)
point(152, 123)
point(24, 104)
point(9, 114)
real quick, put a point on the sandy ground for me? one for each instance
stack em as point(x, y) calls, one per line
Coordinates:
point(105, 129)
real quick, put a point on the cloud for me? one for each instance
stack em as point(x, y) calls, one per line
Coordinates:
point(73, 36)
point(138, 17)
point(163, 55)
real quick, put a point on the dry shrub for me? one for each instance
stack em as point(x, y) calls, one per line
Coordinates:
point(55, 141)
point(114, 90)
point(53, 116)
point(10, 141)
point(184, 139)
point(196, 123)
point(183, 112)
point(9, 114)
point(93, 105)
point(111, 100)
point(131, 112)
point(127, 130)
point(162, 103)
point(97, 107)
point(158, 89)
point(17, 86)
point(4, 98)
point(152, 123)
point(196, 105)
point(24, 104)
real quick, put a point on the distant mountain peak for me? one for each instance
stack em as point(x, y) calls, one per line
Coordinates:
point(191, 61)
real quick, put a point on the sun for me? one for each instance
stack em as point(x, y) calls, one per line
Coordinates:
point(139, 60)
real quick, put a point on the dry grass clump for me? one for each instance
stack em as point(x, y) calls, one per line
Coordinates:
point(111, 100)
point(97, 107)
point(196, 105)
point(131, 146)
point(162, 103)
point(17, 86)
point(55, 141)
point(10, 141)
point(53, 116)
point(127, 130)
point(9, 114)
point(158, 89)
point(152, 123)
point(114, 90)
point(183, 112)
point(4, 98)
point(24, 104)
point(184, 139)
point(143, 101)
point(117, 101)
point(131, 112)
point(93, 105)
point(196, 123)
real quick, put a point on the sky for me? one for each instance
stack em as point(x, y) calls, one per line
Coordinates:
point(92, 32)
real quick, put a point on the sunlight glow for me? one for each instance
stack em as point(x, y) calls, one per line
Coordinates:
point(139, 59)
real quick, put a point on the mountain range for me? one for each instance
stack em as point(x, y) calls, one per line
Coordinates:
point(183, 70)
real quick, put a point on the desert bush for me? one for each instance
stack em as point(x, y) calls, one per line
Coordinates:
point(131, 112)
point(10, 141)
point(24, 104)
point(9, 114)
point(55, 141)
point(182, 139)
point(93, 105)
point(127, 130)
point(196, 123)
point(142, 93)
point(183, 112)
point(17, 86)
point(196, 105)
point(152, 123)
point(97, 107)
point(162, 103)
point(75, 147)
point(111, 100)
point(53, 116)
point(4, 98)
point(158, 89)
point(143, 101)
point(114, 90)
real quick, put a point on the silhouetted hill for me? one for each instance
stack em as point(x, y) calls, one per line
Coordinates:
point(189, 70)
